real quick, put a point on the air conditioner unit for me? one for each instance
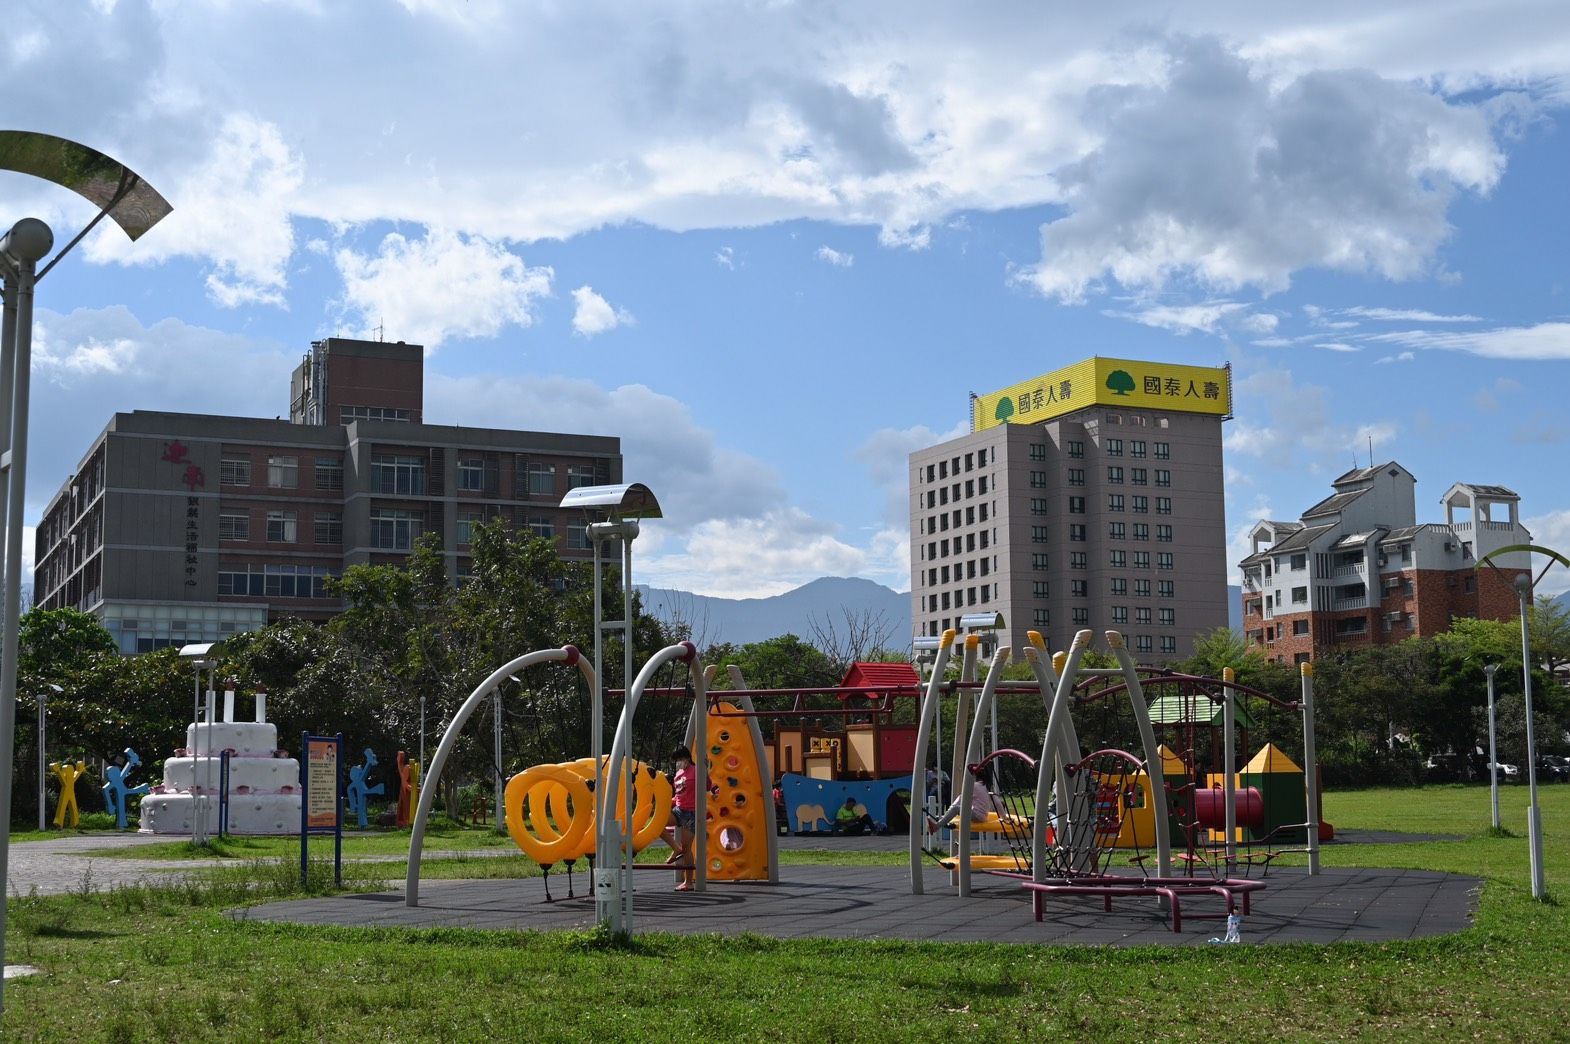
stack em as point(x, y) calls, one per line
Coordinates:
point(1383, 560)
point(1392, 582)
point(1450, 545)
point(1392, 616)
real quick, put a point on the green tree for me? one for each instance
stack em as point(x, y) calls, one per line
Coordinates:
point(1004, 410)
point(1120, 382)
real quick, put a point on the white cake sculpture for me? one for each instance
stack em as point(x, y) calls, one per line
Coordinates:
point(264, 782)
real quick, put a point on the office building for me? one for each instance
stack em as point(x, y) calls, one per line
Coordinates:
point(1089, 497)
point(181, 527)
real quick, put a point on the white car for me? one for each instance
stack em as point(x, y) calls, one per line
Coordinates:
point(1506, 773)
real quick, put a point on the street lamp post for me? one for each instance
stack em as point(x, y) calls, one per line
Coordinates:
point(1493, 756)
point(43, 760)
point(1534, 814)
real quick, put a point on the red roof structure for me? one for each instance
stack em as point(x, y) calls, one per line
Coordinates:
point(864, 675)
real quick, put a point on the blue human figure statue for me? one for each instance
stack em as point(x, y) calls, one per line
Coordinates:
point(117, 790)
point(358, 792)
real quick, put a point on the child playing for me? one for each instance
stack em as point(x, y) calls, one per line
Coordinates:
point(684, 811)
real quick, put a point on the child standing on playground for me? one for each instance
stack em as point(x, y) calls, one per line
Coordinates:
point(684, 813)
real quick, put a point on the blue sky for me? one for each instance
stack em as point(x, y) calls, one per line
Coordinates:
point(773, 245)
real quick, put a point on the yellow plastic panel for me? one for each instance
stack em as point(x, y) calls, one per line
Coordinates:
point(738, 843)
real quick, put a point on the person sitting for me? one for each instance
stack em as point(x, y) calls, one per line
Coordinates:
point(982, 804)
point(851, 819)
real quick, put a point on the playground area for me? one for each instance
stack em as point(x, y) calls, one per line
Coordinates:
point(875, 902)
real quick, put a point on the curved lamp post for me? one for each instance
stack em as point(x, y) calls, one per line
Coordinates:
point(123, 197)
point(1523, 584)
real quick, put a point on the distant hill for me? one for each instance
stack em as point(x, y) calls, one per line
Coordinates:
point(826, 600)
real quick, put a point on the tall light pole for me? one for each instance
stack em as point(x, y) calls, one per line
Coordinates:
point(132, 204)
point(1493, 756)
point(43, 760)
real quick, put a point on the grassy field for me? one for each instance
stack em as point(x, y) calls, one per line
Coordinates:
point(445, 836)
point(164, 964)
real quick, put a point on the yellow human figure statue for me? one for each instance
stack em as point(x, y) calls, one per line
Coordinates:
point(68, 774)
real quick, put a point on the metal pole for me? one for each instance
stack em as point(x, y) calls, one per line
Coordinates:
point(27, 242)
point(422, 733)
point(1534, 814)
point(1310, 769)
point(1493, 756)
point(43, 715)
point(496, 706)
point(626, 676)
point(1228, 763)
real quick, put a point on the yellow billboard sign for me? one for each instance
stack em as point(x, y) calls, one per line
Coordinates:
point(1107, 382)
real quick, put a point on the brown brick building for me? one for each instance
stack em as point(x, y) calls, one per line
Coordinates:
point(180, 527)
point(1358, 569)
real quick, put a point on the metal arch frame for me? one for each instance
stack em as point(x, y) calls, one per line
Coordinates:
point(568, 655)
point(966, 786)
point(925, 720)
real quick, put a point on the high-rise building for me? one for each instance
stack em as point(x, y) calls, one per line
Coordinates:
point(1091, 496)
point(1358, 569)
point(182, 527)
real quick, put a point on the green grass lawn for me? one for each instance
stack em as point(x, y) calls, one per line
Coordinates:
point(444, 836)
point(164, 964)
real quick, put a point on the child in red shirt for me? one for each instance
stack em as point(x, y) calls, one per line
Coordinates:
point(684, 812)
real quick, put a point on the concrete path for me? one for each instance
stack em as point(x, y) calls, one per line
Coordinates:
point(60, 865)
point(875, 903)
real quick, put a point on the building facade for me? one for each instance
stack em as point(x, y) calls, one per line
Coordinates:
point(181, 527)
point(1088, 497)
point(1358, 569)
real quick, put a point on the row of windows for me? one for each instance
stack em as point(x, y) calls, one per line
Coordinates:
point(961, 598)
point(282, 527)
point(539, 525)
point(962, 571)
point(283, 472)
point(940, 523)
point(969, 544)
point(1075, 449)
point(971, 488)
point(1115, 502)
point(976, 459)
point(274, 581)
point(349, 414)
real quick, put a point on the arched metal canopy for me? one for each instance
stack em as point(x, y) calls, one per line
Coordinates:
point(630, 500)
point(115, 189)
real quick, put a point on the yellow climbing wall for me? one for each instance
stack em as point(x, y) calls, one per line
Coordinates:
point(738, 843)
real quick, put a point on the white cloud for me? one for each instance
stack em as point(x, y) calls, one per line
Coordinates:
point(1551, 529)
point(1543, 341)
point(1184, 319)
point(1208, 170)
point(726, 257)
point(1337, 346)
point(1306, 435)
point(1239, 546)
point(886, 455)
point(759, 557)
point(1399, 358)
point(1408, 315)
point(1261, 322)
point(592, 314)
point(1487, 399)
point(834, 257)
point(446, 285)
point(1275, 342)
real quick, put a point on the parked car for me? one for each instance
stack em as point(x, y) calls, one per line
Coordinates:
point(1506, 773)
point(1553, 769)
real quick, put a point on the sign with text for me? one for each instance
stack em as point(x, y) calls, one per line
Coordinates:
point(1107, 382)
point(321, 789)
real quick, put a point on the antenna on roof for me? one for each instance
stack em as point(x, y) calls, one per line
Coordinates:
point(1370, 449)
point(379, 329)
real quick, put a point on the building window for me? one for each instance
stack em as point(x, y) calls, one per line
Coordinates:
point(1076, 505)
point(1038, 506)
point(1038, 451)
point(1164, 532)
point(274, 581)
point(1114, 474)
point(328, 527)
point(398, 475)
point(1167, 617)
point(1163, 505)
point(1079, 588)
point(1164, 589)
point(1076, 449)
point(329, 473)
point(394, 530)
point(1163, 451)
point(234, 471)
point(1116, 530)
point(1163, 559)
point(1142, 643)
point(1040, 617)
point(981, 485)
point(1120, 614)
point(1038, 480)
point(471, 475)
point(1141, 531)
point(1114, 447)
point(1141, 588)
point(1038, 560)
point(1300, 562)
point(1114, 502)
point(283, 472)
point(1078, 560)
point(1038, 589)
point(1117, 559)
point(1163, 477)
point(1168, 643)
point(1038, 534)
point(1137, 476)
point(1136, 448)
point(1141, 559)
point(1119, 586)
point(234, 526)
point(281, 527)
point(1299, 628)
point(579, 475)
point(464, 534)
point(350, 414)
point(1300, 596)
point(578, 537)
point(1142, 505)
point(1081, 617)
point(1076, 532)
point(539, 479)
